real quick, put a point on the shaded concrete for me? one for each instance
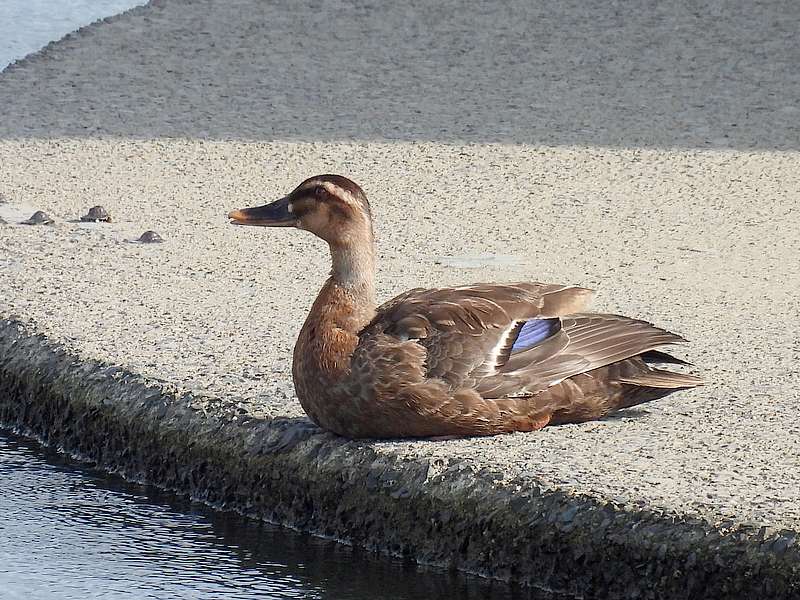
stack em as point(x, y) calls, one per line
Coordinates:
point(645, 74)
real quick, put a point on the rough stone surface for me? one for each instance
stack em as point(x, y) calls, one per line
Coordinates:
point(96, 214)
point(38, 218)
point(650, 153)
point(150, 237)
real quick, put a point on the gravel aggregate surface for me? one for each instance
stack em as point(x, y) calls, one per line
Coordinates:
point(649, 153)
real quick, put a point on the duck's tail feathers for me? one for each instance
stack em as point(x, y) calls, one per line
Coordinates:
point(657, 356)
point(659, 378)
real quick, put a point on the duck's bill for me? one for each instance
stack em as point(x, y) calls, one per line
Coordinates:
point(276, 214)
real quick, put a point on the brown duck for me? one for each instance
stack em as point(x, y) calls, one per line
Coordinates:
point(479, 359)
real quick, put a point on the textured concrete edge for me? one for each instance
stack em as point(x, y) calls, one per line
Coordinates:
point(441, 514)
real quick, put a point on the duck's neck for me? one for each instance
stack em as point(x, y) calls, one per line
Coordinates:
point(347, 300)
point(324, 349)
point(345, 304)
point(353, 271)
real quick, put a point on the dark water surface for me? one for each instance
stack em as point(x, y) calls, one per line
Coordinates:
point(71, 532)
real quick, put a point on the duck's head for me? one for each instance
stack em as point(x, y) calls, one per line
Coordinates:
point(329, 206)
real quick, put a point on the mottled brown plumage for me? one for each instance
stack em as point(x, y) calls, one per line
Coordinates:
point(453, 361)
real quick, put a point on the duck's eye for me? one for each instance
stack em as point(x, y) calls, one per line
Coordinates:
point(321, 193)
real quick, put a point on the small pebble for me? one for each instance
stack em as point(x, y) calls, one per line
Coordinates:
point(97, 213)
point(150, 237)
point(38, 218)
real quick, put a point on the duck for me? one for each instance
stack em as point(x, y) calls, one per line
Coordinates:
point(473, 360)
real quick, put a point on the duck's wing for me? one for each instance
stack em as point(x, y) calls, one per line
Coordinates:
point(581, 343)
point(469, 332)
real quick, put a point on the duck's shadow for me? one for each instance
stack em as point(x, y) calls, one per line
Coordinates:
point(626, 414)
point(287, 433)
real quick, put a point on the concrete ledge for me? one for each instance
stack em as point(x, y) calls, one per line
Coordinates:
point(435, 512)
point(640, 164)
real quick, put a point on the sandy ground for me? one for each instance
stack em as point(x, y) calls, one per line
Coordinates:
point(651, 154)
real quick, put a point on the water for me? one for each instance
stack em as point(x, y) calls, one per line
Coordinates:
point(28, 25)
point(68, 532)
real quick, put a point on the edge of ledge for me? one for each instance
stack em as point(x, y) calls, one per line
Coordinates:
point(440, 513)
point(83, 31)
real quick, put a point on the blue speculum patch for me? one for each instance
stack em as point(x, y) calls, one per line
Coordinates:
point(533, 332)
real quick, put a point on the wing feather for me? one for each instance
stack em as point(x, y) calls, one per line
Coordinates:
point(468, 335)
point(585, 342)
point(465, 330)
